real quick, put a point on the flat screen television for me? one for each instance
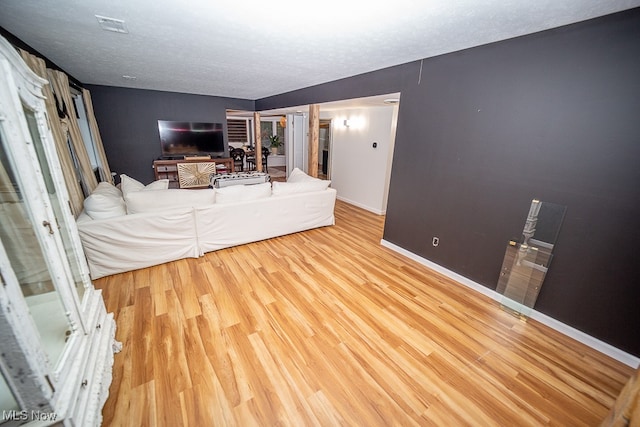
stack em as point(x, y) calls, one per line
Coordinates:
point(179, 139)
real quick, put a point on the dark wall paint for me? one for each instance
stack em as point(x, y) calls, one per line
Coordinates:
point(554, 116)
point(128, 122)
point(388, 80)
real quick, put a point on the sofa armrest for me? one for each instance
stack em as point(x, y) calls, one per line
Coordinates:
point(129, 242)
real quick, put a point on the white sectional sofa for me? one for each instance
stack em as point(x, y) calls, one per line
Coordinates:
point(143, 226)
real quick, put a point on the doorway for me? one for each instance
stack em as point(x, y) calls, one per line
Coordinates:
point(324, 147)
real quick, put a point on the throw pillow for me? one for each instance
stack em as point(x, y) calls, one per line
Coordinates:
point(105, 202)
point(108, 188)
point(242, 193)
point(283, 188)
point(154, 201)
point(128, 185)
point(298, 175)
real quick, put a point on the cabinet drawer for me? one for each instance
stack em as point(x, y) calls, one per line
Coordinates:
point(171, 176)
point(166, 168)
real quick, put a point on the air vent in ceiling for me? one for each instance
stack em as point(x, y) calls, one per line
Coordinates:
point(112, 24)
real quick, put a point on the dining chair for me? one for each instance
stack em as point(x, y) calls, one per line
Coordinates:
point(237, 154)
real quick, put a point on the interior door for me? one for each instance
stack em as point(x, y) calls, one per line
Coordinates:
point(324, 147)
point(297, 151)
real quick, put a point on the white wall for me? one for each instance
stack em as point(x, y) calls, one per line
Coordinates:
point(359, 172)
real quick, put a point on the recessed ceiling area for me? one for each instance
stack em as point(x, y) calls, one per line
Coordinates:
point(346, 104)
point(254, 49)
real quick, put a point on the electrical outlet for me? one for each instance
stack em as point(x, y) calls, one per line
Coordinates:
point(435, 241)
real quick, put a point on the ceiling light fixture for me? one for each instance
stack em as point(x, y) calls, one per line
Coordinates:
point(391, 101)
point(112, 24)
point(126, 77)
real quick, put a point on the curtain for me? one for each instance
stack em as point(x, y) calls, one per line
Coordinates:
point(105, 171)
point(60, 84)
point(59, 134)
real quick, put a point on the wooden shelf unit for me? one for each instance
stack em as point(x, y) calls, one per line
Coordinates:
point(168, 169)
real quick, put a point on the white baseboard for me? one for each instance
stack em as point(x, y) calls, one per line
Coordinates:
point(596, 344)
point(360, 205)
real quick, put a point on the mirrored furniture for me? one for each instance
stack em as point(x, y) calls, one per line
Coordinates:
point(526, 261)
point(56, 337)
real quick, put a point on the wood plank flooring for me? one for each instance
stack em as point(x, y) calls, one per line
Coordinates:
point(326, 328)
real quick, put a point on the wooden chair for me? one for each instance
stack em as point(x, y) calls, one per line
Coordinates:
point(251, 160)
point(265, 154)
point(237, 154)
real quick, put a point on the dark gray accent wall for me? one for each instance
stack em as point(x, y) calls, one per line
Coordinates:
point(381, 82)
point(128, 122)
point(553, 115)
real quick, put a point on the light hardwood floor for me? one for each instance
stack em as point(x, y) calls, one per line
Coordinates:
point(325, 328)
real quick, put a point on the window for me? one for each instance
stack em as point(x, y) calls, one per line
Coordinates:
point(270, 127)
point(240, 130)
point(237, 130)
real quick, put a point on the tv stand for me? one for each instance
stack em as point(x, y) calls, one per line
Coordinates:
point(168, 169)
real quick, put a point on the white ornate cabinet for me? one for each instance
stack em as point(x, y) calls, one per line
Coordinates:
point(56, 338)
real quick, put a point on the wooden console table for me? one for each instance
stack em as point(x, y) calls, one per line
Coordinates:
point(168, 169)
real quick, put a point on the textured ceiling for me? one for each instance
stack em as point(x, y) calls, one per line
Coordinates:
point(249, 49)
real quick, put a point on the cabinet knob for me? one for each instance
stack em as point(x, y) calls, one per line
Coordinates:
point(84, 383)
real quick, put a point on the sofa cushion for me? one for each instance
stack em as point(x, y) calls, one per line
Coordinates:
point(108, 188)
point(298, 175)
point(242, 193)
point(157, 200)
point(105, 202)
point(283, 188)
point(128, 185)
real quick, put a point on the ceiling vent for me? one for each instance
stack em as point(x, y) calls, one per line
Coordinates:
point(112, 24)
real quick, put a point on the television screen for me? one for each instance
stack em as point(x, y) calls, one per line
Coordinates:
point(190, 138)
